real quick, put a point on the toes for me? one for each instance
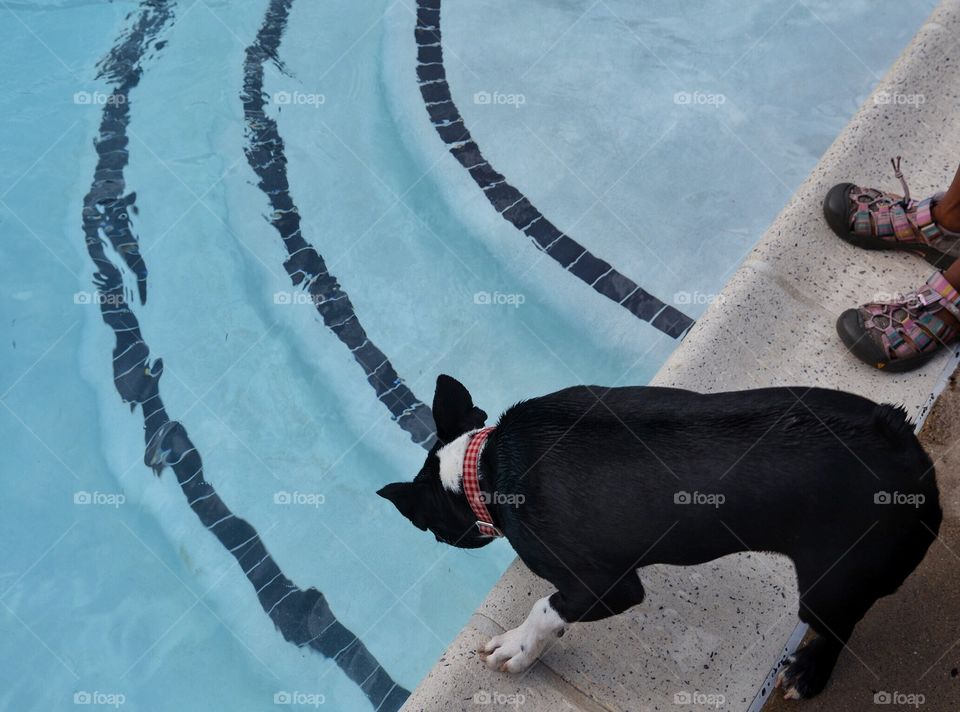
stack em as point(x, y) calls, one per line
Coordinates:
point(807, 674)
point(836, 208)
point(505, 655)
point(792, 694)
point(782, 676)
point(518, 663)
point(496, 659)
point(491, 645)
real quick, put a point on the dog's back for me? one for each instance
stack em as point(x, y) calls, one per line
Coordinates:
point(776, 469)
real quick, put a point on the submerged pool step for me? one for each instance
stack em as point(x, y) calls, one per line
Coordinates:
point(305, 266)
point(512, 205)
point(302, 616)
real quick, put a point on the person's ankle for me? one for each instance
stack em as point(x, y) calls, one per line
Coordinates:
point(946, 216)
point(952, 276)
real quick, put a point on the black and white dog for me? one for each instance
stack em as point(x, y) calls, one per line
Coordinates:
point(591, 483)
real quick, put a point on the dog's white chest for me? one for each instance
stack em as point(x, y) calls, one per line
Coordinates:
point(451, 461)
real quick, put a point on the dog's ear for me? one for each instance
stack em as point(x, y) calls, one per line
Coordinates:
point(453, 409)
point(410, 499)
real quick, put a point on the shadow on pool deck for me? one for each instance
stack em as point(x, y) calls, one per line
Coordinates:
point(906, 651)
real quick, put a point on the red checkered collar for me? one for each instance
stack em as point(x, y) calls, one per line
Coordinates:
point(471, 483)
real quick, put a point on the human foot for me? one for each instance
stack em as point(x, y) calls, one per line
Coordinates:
point(876, 220)
point(906, 333)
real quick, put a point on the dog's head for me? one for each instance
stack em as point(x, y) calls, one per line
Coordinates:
point(430, 502)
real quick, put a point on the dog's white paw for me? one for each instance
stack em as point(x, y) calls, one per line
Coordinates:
point(513, 651)
point(518, 649)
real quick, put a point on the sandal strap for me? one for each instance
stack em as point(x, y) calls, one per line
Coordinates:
point(938, 289)
point(884, 221)
point(924, 333)
point(923, 218)
point(880, 214)
point(924, 214)
point(913, 335)
point(902, 227)
point(912, 325)
point(861, 220)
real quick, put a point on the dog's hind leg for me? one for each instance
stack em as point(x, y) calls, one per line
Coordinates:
point(835, 596)
point(808, 671)
point(832, 605)
point(518, 649)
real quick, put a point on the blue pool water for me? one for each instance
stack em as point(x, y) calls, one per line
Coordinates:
point(274, 213)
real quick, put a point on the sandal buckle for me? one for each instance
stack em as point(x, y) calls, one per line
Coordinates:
point(927, 296)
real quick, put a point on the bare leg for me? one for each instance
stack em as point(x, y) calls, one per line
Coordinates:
point(946, 211)
point(952, 275)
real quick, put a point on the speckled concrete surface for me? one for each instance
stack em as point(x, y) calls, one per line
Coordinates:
point(717, 629)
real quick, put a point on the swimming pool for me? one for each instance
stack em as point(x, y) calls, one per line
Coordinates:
point(268, 194)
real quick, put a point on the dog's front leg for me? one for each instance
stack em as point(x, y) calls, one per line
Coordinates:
point(604, 596)
point(517, 649)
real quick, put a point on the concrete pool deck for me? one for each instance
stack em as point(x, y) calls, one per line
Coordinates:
point(716, 631)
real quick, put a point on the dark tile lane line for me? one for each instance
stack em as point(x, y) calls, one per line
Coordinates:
point(303, 617)
point(305, 266)
point(510, 202)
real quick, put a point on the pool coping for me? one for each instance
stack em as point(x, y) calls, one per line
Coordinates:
point(798, 275)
